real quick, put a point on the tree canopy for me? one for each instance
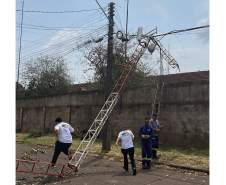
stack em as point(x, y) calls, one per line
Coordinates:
point(45, 76)
point(97, 60)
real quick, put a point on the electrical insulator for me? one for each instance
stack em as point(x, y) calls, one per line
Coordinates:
point(143, 43)
point(151, 47)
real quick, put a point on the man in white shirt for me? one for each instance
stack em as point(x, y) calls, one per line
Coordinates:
point(126, 138)
point(64, 139)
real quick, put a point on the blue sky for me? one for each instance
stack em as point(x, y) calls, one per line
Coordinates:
point(191, 50)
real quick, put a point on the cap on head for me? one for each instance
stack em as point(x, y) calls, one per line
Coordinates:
point(58, 120)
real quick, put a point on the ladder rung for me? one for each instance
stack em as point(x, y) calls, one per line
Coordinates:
point(85, 141)
point(78, 152)
point(91, 130)
point(98, 120)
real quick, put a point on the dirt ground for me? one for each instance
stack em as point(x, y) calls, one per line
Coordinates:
point(98, 170)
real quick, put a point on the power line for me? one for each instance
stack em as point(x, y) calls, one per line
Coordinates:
point(101, 9)
point(69, 43)
point(179, 31)
point(56, 12)
point(65, 28)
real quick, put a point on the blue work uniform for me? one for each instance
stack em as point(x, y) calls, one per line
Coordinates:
point(146, 145)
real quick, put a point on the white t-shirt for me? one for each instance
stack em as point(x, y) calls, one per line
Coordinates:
point(64, 132)
point(126, 138)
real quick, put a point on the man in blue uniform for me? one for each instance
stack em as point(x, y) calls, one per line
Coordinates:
point(146, 133)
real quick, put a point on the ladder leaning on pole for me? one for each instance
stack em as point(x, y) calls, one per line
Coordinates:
point(108, 106)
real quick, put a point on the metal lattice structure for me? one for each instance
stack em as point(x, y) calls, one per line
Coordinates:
point(165, 54)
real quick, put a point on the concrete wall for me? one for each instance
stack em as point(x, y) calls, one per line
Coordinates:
point(184, 111)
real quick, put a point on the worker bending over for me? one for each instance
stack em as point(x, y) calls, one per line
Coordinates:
point(126, 138)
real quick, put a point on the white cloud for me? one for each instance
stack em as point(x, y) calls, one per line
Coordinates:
point(61, 37)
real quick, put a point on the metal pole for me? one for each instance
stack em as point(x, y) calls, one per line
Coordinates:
point(21, 32)
point(127, 13)
point(161, 72)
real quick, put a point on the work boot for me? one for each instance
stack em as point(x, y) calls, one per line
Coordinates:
point(148, 164)
point(126, 169)
point(154, 154)
point(134, 171)
point(143, 164)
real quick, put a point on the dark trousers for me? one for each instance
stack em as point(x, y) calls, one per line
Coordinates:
point(155, 145)
point(125, 152)
point(60, 147)
point(146, 148)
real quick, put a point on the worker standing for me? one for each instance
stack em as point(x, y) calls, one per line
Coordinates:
point(126, 138)
point(146, 144)
point(154, 123)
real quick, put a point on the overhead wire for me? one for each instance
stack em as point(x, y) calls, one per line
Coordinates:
point(72, 31)
point(58, 12)
point(71, 38)
point(65, 47)
point(68, 42)
point(93, 21)
point(48, 50)
point(101, 9)
point(182, 30)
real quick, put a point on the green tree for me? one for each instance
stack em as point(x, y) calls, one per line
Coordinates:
point(46, 76)
point(97, 60)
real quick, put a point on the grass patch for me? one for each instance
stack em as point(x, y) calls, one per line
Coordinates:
point(190, 157)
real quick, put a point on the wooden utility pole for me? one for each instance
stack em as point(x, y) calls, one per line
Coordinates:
point(106, 140)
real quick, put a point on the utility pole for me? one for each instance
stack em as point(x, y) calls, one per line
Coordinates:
point(106, 140)
point(21, 32)
point(168, 65)
point(161, 70)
